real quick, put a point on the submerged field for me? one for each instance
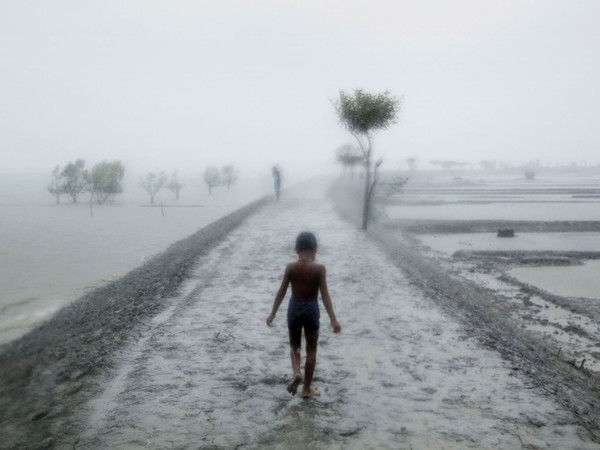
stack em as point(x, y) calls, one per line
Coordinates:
point(547, 272)
point(53, 254)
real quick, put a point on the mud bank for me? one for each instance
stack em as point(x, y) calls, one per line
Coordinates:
point(48, 372)
point(485, 312)
point(491, 226)
point(500, 263)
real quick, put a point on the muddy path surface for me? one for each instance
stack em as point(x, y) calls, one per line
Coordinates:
point(208, 373)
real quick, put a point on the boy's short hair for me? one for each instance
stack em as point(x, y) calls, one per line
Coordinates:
point(306, 241)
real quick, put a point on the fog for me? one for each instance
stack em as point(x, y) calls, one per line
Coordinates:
point(181, 85)
point(125, 324)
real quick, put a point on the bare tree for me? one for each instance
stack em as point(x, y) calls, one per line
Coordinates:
point(212, 177)
point(174, 185)
point(229, 176)
point(55, 187)
point(152, 183)
point(362, 114)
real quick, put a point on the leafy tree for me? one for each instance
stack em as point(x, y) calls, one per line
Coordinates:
point(55, 187)
point(229, 176)
point(362, 113)
point(349, 157)
point(75, 179)
point(106, 180)
point(152, 183)
point(212, 177)
point(174, 185)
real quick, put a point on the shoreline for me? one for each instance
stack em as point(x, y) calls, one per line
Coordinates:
point(51, 370)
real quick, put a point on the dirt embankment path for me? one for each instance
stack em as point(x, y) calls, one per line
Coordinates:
point(487, 315)
point(47, 374)
point(204, 371)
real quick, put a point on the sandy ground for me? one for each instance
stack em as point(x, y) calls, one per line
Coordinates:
point(204, 371)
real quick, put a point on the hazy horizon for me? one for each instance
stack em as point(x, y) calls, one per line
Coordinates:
point(170, 86)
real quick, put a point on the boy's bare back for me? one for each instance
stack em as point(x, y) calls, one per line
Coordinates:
point(306, 277)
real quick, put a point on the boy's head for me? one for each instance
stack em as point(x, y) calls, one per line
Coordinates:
point(306, 241)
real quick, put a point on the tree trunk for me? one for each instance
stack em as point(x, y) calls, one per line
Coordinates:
point(372, 191)
point(367, 200)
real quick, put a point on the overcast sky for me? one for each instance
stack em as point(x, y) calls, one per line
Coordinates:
point(183, 84)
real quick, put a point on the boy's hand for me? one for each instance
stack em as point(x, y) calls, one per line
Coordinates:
point(336, 326)
point(270, 319)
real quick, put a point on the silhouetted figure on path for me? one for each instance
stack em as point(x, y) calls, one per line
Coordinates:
point(277, 180)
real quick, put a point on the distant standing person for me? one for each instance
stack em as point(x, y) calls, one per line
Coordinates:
point(277, 180)
point(307, 279)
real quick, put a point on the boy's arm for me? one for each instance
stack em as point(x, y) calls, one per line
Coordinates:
point(327, 301)
point(280, 294)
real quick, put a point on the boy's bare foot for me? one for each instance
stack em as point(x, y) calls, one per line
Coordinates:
point(294, 382)
point(311, 393)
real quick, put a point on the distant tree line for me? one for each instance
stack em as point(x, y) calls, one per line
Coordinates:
point(226, 176)
point(153, 182)
point(103, 181)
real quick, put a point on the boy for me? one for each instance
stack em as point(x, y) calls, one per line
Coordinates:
point(307, 279)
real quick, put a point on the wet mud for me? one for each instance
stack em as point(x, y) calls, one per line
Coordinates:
point(421, 362)
point(48, 373)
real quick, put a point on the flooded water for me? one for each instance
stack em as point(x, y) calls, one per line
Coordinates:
point(51, 254)
point(583, 281)
point(566, 241)
point(208, 372)
point(551, 197)
point(499, 211)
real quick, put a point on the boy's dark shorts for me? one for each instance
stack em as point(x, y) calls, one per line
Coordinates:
point(303, 314)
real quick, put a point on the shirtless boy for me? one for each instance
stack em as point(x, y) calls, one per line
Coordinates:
point(307, 279)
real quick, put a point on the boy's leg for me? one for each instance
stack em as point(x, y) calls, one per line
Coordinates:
point(312, 338)
point(295, 347)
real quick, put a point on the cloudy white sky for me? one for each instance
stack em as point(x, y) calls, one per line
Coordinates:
point(182, 84)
